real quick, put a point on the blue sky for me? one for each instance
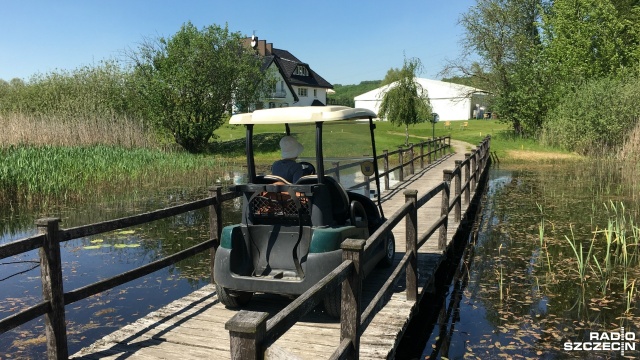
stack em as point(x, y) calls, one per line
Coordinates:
point(344, 41)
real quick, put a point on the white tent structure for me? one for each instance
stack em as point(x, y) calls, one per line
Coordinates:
point(450, 101)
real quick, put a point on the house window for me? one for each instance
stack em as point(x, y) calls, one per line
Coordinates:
point(301, 70)
point(302, 92)
point(315, 93)
point(280, 92)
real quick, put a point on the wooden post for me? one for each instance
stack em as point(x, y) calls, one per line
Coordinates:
point(444, 146)
point(442, 238)
point(482, 158)
point(352, 249)
point(467, 176)
point(246, 331)
point(411, 222)
point(337, 165)
point(215, 223)
point(458, 190)
point(475, 169)
point(52, 289)
point(401, 159)
point(430, 150)
point(367, 186)
point(411, 167)
point(421, 154)
point(385, 164)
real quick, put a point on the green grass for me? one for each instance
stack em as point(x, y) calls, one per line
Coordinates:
point(32, 173)
point(388, 137)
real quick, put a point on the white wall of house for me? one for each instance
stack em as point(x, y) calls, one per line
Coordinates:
point(281, 95)
point(450, 101)
point(306, 95)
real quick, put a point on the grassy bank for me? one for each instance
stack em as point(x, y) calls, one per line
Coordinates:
point(33, 172)
point(508, 147)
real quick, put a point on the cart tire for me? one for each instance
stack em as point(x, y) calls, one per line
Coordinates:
point(389, 251)
point(233, 298)
point(332, 303)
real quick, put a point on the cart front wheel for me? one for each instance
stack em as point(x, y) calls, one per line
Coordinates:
point(233, 298)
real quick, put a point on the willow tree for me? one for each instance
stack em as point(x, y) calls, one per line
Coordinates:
point(406, 102)
point(192, 80)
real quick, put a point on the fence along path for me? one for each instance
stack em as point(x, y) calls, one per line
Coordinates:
point(198, 326)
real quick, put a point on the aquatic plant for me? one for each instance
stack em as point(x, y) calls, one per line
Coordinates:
point(38, 174)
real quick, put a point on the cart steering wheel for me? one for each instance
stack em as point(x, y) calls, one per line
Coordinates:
point(308, 168)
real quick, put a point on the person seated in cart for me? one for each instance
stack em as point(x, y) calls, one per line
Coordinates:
point(287, 167)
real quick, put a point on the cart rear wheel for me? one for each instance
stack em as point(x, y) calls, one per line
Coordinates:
point(233, 298)
point(332, 303)
point(389, 251)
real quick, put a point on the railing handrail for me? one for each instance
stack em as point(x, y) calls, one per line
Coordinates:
point(384, 156)
point(62, 235)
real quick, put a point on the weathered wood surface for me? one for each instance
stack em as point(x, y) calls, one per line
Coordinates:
point(193, 327)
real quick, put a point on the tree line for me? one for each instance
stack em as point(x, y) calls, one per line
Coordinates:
point(565, 71)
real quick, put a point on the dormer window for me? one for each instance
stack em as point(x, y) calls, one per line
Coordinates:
point(301, 70)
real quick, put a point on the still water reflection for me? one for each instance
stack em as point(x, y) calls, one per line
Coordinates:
point(102, 256)
point(519, 292)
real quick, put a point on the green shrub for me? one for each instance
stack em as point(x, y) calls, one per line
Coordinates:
point(596, 116)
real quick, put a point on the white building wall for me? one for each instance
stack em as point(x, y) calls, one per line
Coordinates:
point(320, 95)
point(282, 95)
point(450, 101)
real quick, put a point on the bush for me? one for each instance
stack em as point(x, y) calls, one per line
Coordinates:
point(596, 116)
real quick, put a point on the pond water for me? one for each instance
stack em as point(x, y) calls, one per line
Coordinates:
point(512, 295)
point(518, 291)
point(102, 256)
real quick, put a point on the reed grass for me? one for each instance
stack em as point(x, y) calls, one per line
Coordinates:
point(612, 256)
point(104, 129)
point(31, 174)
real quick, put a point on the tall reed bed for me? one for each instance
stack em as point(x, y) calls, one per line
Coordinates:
point(31, 174)
point(104, 129)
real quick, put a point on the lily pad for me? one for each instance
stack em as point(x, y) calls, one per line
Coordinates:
point(96, 241)
point(121, 246)
point(93, 247)
point(126, 232)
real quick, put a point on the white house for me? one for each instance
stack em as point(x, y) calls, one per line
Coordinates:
point(296, 83)
point(450, 101)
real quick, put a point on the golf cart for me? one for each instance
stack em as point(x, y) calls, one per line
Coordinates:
point(290, 234)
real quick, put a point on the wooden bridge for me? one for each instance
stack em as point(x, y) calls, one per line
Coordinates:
point(427, 207)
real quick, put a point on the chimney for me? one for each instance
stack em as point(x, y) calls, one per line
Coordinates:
point(262, 44)
point(269, 49)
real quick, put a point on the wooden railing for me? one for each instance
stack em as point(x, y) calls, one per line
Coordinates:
point(407, 157)
point(252, 334)
point(48, 242)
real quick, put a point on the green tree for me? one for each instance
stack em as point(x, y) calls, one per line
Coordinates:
point(406, 102)
point(393, 75)
point(195, 78)
point(501, 51)
point(345, 94)
point(583, 39)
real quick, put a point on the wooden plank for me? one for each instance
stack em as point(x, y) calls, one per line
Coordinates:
point(21, 246)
